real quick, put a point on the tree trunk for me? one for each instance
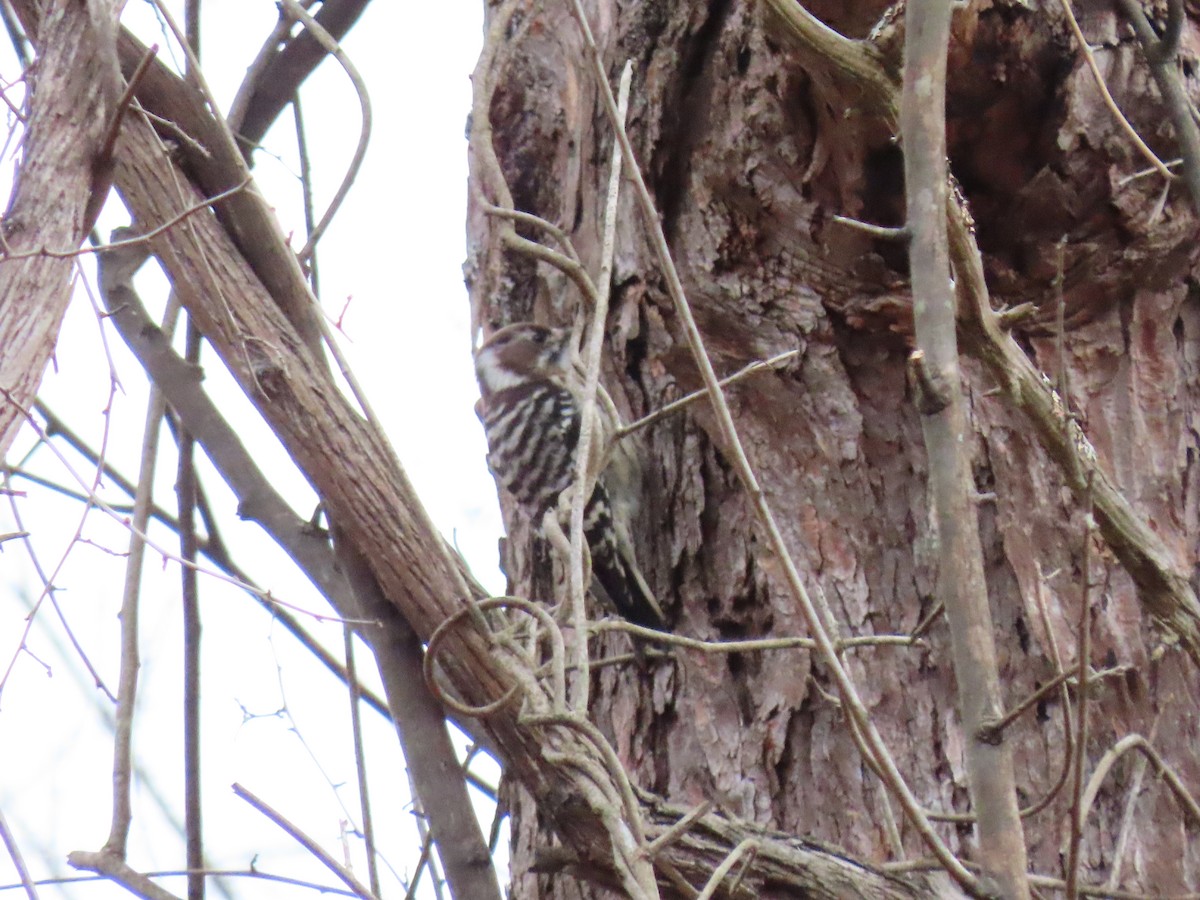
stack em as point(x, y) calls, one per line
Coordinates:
point(751, 143)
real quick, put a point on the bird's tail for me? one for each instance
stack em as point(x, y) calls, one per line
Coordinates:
point(615, 573)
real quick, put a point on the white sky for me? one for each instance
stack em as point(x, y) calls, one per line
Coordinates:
point(396, 251)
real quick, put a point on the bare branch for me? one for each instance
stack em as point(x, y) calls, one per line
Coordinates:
point(213, 548)
point(588, 422)
point(122, 812)
point(14, 853)
point(961, 586)
point(283, 65)
point(115, 868)
point(330, 45)
point(307, 843)
point(360, 759)
point(1151, 157)
point(759, 365)
point(1083, 651)
point(186, 490)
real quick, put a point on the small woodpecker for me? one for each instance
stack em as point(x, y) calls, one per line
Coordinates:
point(531, 400)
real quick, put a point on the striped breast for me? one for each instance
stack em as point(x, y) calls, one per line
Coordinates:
point(532, 431)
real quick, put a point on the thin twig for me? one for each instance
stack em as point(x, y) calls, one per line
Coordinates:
point(48, 591)
point(306, 193)
point(124, 522)
point(1067, 755)
point(422, 864)
point(185, 487)
point(880, 232)
point(141, 238)
point(1077, 811)
point(254, 72)
point(14, 853)
point(759, 365)
point(429, 860)
point(327, 41)
point(1084, 48)
point(213, 548)
point(1128, 821)
point(673, 833)
point(360, 759)
point(122, 813)
point(751, 645)
point(306, 842)
point(747, 847)
point(1139, 743)
point(1161, 54)
point(588, 413)
point(1050, 686)
point(253, 874)
point(114, 868)
point(526, 218)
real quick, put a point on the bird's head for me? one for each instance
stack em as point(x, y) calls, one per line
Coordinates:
point(519, 352)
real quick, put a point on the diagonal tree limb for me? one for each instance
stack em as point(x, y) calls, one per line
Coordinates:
point(420, 720)
point(210, 157)
point(421, 725)
point(73, 92)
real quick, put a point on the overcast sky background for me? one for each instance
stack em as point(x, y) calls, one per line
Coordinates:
point(274, 720)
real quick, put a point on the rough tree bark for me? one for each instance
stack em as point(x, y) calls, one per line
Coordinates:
point(73, 93)
point(752, 143)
